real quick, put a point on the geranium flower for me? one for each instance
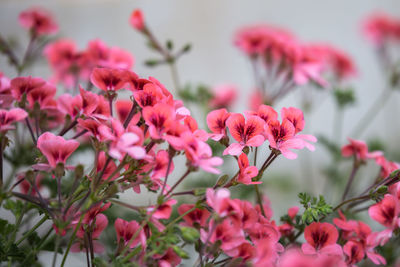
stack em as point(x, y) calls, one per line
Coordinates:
point(321, 239)
point(8, 117)
point(125, 232)
point(246, 171)
point(56, 149)
point(39, 20)
point(247, 133)
point(136, 20)
point(108, 79)
point(216, 121)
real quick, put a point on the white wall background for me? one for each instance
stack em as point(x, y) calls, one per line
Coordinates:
point(209, 25)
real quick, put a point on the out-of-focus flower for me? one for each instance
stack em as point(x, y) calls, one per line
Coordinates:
point(223, 96)
point(7, 117)
point(38, 20)
point(136, 20)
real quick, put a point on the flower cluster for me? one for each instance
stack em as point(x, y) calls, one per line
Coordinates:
point(75, 154)
point(281, 61)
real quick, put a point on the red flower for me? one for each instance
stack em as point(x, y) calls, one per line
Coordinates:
point(321, 239)
point(38, 20)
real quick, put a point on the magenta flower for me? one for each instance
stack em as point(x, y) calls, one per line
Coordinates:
point(55, 148)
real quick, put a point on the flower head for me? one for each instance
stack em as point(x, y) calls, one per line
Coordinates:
point(38, 20)
point(55, 148)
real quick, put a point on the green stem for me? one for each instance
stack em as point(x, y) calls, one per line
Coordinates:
point(71, 240)
point(32, 230)
point(58, 239)
point(259, 199)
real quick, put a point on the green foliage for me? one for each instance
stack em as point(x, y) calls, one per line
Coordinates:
point(315, 208)
point(344, 97)
point(189, 234)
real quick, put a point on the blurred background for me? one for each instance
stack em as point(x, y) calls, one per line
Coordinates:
point(210, 26)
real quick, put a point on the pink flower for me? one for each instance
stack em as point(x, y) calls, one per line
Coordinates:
point(136, 20)
point(8, 117)
point(221, 203)
point(6, 98)
point(111, 167)
point(159, 119)
point(229, 234)
point(199, 153)
point(380, 28)
point(123, 108)
point(55, 148)
point(295, 116)
point(282, 138)
point(246, 171)
point(337, 62)
point(246, 133)
point(123, 141)
point(354, 252)
point(108, 79)
point(26, 186)
point(126, 231)
point(359, 149)
point(38, 20)
point(223, 96)
point(197, 217)
point(265, 112)
point(321, 239)
point(216, 121)
point(161, 165)
point(164, 210)
point(24, 85)
point(386, 212)
point(168, 259)
point(84, 103)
